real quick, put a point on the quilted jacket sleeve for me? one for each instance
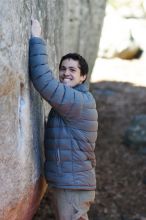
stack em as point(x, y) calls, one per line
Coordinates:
point(67, 101)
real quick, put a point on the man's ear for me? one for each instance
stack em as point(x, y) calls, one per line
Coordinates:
point(84, 77)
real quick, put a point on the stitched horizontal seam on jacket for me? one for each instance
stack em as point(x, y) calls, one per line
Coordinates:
point(34, 55)
point(42, 64)
point(73, 128)
point(76, 171)
point(42, 75)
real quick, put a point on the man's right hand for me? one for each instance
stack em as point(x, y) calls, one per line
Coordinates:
point(35, 28)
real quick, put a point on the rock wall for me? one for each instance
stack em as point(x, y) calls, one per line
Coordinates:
point(67, 25)
point(82, 28)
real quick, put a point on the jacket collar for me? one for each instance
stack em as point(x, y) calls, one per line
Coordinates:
point(84, 87)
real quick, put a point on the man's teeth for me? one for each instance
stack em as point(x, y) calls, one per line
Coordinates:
point(67, 79)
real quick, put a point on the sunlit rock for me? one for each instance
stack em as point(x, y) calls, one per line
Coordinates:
point(117, 39)
point(124, 30)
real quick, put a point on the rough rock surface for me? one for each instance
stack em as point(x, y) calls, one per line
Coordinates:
point(82, 28)
point(22, 109)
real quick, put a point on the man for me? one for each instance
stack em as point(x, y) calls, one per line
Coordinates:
point(71, 129)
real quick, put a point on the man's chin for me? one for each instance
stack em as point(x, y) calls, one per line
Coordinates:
point(67, 82)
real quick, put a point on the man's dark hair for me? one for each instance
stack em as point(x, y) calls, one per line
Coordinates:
point(82, 62)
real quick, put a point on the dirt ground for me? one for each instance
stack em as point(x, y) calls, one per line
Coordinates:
point(120, 94)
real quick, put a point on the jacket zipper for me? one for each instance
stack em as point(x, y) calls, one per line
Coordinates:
point(58, 157)
point(59, 163)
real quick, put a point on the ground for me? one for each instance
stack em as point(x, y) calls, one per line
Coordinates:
point(119, 88)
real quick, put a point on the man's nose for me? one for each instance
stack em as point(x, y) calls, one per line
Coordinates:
point(66, 72)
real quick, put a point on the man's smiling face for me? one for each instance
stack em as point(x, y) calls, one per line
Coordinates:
point(70, 73)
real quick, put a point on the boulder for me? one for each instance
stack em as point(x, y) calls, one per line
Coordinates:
point(124, 30)
point(83, 27)
point(135, 135)
point(23, 111)
point(117, 39)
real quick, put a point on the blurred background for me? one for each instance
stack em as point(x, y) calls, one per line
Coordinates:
point(121, 55)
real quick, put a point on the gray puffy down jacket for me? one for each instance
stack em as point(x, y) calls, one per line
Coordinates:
point(71, 129)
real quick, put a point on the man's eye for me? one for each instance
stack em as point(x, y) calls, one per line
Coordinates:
point(72, 70)
point(62, 69)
